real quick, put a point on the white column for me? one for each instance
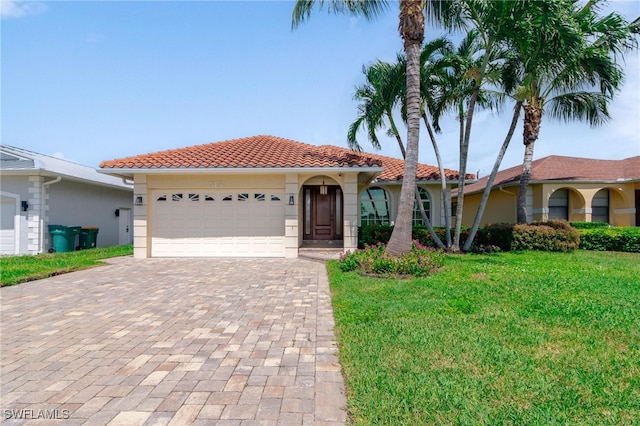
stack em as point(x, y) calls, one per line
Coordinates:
point(351, 209)
point(141, 243)
point(35, 220)
point(291, 218)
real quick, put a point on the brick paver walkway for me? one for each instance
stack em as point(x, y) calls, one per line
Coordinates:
point(172, 341)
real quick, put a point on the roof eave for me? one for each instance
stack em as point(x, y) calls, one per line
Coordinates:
point(124, 172)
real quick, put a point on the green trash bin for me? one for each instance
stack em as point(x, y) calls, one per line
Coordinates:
point(88, 237)
point(59, 238)
point(72, 233)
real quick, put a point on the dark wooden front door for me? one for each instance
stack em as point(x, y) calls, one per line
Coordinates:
point(322, 213)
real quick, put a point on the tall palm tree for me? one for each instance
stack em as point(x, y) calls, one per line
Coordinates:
point(573, 84)
point(384, 93)
point(411, 28)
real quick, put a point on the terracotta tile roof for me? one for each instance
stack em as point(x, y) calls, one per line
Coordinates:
point(559, 168)
point(270, 151)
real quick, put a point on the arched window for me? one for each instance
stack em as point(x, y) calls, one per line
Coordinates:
point(426, 203)
point(559, 204)
point(600, 206)
point(374, 207)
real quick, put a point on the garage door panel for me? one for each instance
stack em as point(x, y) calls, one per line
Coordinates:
point(192, 223)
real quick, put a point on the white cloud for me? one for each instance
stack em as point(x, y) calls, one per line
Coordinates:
point(20, 8)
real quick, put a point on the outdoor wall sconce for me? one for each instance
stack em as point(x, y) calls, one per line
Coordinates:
point(291, 200)
point(117, 212)
point(139, 200)
point(24, 205)
point(323, 188)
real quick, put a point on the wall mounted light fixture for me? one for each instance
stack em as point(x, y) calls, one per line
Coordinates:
point(323, 188)
point(291, 200)
point(24, 205)
point(139, 201)
point(117, 212)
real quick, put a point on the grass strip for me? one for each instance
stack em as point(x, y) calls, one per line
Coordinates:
point(19, 269)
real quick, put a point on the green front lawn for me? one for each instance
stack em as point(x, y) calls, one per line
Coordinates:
point(19, 269)
point(509, 338)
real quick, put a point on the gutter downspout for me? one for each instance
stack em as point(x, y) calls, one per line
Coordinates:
point(42, 209)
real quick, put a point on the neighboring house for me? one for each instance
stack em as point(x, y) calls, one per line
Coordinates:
point(575, 189)
point(38, 190)
point(263, 196)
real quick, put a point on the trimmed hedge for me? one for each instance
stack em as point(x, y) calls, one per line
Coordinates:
point(589, 225)
point(373, 234)
point(611, 239)
point(554, 235)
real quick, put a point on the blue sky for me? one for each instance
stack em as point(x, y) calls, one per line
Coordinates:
point(92, 81)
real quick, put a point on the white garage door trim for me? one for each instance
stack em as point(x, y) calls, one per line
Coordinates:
point(9, 211)
point(217, 223)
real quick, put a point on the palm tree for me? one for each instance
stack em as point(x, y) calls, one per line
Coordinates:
point(385, 92)
point(411, 28)
point(574, 85)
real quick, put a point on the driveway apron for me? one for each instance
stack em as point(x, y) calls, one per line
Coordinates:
point(172, 341)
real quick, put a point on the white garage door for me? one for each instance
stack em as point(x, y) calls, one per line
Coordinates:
point(217, 223)
point(7, 226)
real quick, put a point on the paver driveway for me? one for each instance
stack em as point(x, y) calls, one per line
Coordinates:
point(173, 341)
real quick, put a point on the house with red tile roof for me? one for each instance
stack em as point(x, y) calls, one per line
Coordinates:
point(571, 188)
point(265, 196)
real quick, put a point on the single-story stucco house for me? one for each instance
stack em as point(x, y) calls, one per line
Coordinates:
point(264, 196)
point(570, 188)
point(38, 190)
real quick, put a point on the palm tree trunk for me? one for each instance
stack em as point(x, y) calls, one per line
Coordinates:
point(460, 201)
point(532, 120)
point(443, 181)
point(478, 75)
point(492, 177)
point(412, 31)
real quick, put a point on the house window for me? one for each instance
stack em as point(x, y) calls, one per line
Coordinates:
point(176, 197)
point(425, 199)
point(209, 198)
point(194, 197)
point(600, 206)
point(374, 206)
point(228, 198)
point(259, 197)
point(162, 198)
point(275, 198)
point(559, 204)
point(243, 196)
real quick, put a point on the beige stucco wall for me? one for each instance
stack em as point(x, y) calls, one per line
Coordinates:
point(501, 206)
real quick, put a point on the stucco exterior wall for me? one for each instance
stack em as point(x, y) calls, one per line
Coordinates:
point(80, 204)
point(502, 207)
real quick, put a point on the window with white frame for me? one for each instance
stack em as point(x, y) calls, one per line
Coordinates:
point(425, 199)
point(374, 207)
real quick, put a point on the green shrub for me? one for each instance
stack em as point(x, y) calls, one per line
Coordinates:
point(498, 234)
point(554, 235)
point(420, 261)
point(611, 239)
point(589, 225)
point(374, 234)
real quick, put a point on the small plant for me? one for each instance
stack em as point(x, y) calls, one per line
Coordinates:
point(374, 260)
point(486, 249)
